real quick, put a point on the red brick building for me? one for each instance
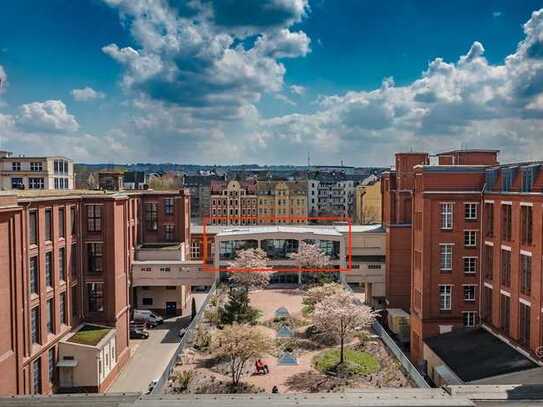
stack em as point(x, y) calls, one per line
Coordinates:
point(462, 236)
point(65, 258)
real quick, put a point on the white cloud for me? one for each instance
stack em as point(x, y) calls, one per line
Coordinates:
point(3, 79)
point(86, 94)
point(497, 14)
point(51, 115)
point(297, 89)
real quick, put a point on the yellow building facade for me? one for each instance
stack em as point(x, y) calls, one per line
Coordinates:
point(281, 202)
point(368, 203)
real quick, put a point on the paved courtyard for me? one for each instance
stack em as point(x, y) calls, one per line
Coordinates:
point(151, 356)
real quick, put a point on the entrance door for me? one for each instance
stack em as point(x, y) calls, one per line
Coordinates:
point(171, 307)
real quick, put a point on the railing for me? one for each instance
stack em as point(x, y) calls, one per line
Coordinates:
point(186, 339)
point(411, 370)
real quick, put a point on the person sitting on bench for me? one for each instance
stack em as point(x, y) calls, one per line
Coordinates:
point(261, 366)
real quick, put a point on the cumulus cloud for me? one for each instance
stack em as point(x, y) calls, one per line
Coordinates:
point(51, 115)
point(297, 89)
point(86, 94)
point(215, 56)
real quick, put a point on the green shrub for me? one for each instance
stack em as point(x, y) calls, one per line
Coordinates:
point(356, 362)
point(183, 380)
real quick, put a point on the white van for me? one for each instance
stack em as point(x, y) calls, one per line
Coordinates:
point(148, 316)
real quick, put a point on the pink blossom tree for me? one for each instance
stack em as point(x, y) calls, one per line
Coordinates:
point(250, 269)
point(340, 314)
point(310, 256)
point(316, 294)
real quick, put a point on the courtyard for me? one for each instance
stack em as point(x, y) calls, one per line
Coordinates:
point(296, 358)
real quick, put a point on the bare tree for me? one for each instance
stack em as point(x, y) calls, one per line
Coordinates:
point(239, 344)
point(250, 269)
point(341, 315)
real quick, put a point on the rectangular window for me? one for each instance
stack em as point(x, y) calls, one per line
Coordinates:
point(73, 260)
point(36, 183)
point(195, 249)
point(507, 179)
point(445, 296)
point(94, 218)
point(506, 268)
point(51, 364)
point(507, 222)
point(470, 265)
point(61, 223)
point(489, 219)
point(36, 167)
point(525, 274)
point(48, 224)
point(50, 316)
point(35, 324)
point(94, 257)
point(33, 227)
point(446, 253)
point(528, 179)
point(470, 238)
point(62, 264)
point(168, 233)
point(526, 224)
point(524, 317)
point(74, 301)
point(470, 211)
point(49, 269)
point(34, 275)
point(95, 294)
point(487, 304)
point(73, 217)
point(447, 216)
point(168, 206)
point(15, 166)
point(151, 216)
point(36, 376)
point(62, 308)
point(17, 183)
point(470, 318)
point(469, 292)
point(505, 313)
point(147, 301)
point(489, 262)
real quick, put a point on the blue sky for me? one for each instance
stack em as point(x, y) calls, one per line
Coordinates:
point(238, 81)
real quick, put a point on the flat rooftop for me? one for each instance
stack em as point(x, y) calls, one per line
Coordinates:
point(474, 354)
point(234, 231)
point(215, 229)
point(89, 334)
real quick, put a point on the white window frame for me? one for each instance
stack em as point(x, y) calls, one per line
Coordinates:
point(447, 217)
point(472, 318)
point(470, 210)
point(445, 297)
point(446, 263)
point(470, 238)
point(473, 260)
point(474, 286)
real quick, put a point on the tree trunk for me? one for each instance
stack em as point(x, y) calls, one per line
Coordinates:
point(341, 351)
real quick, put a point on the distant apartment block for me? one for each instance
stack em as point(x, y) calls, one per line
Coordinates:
point(27, 172)
point(330, 195)
point(281, 202)
point(368, 202)
point(233, 203)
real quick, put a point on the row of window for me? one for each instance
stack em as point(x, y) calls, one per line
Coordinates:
point(445, 295)
point(525, 263)
point(34, 273)
point(35, 319)
point(33, 224)
point(504, 323)
point(35, 166)
point(526, 222)
point(447, 213)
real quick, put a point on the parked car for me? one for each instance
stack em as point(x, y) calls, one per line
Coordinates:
point(138, 333)
point(148, 316)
